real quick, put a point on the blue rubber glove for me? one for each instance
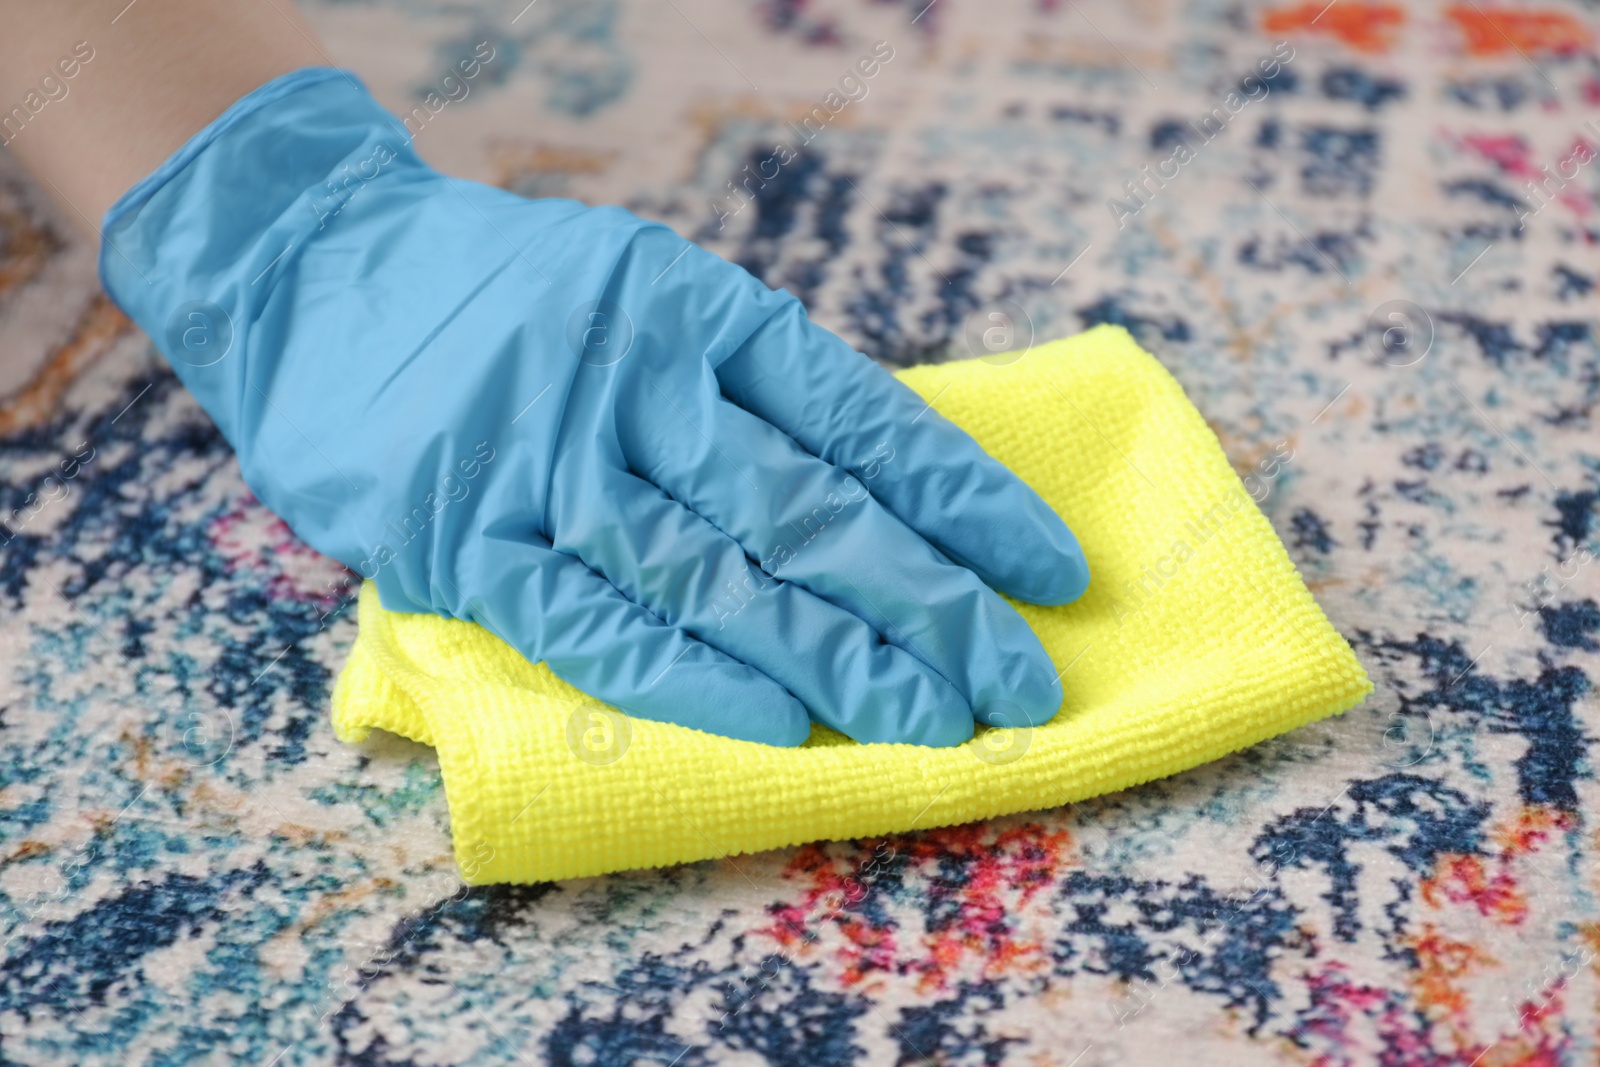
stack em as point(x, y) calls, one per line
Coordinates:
point(618, 452)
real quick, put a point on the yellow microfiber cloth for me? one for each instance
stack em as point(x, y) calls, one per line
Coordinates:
point(1196, 639)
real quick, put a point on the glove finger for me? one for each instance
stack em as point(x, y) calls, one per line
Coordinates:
point(551, 607)
point(692, 576)
point(844, 408)
point(809, 523)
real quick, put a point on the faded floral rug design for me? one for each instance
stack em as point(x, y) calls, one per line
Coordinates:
point(1364, 237)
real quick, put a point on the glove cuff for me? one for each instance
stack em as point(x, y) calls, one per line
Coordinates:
point(240, 109)
point(193, 251)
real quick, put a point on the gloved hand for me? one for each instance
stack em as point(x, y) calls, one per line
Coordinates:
point(619, 453)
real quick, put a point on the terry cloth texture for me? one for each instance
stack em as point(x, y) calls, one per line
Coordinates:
point(1197, 638)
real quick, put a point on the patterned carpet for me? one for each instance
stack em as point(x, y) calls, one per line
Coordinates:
point(1326, 221)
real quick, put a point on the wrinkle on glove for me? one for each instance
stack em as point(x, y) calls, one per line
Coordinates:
point(1197, 638)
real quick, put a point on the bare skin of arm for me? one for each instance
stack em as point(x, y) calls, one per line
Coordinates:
point(159, 72)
